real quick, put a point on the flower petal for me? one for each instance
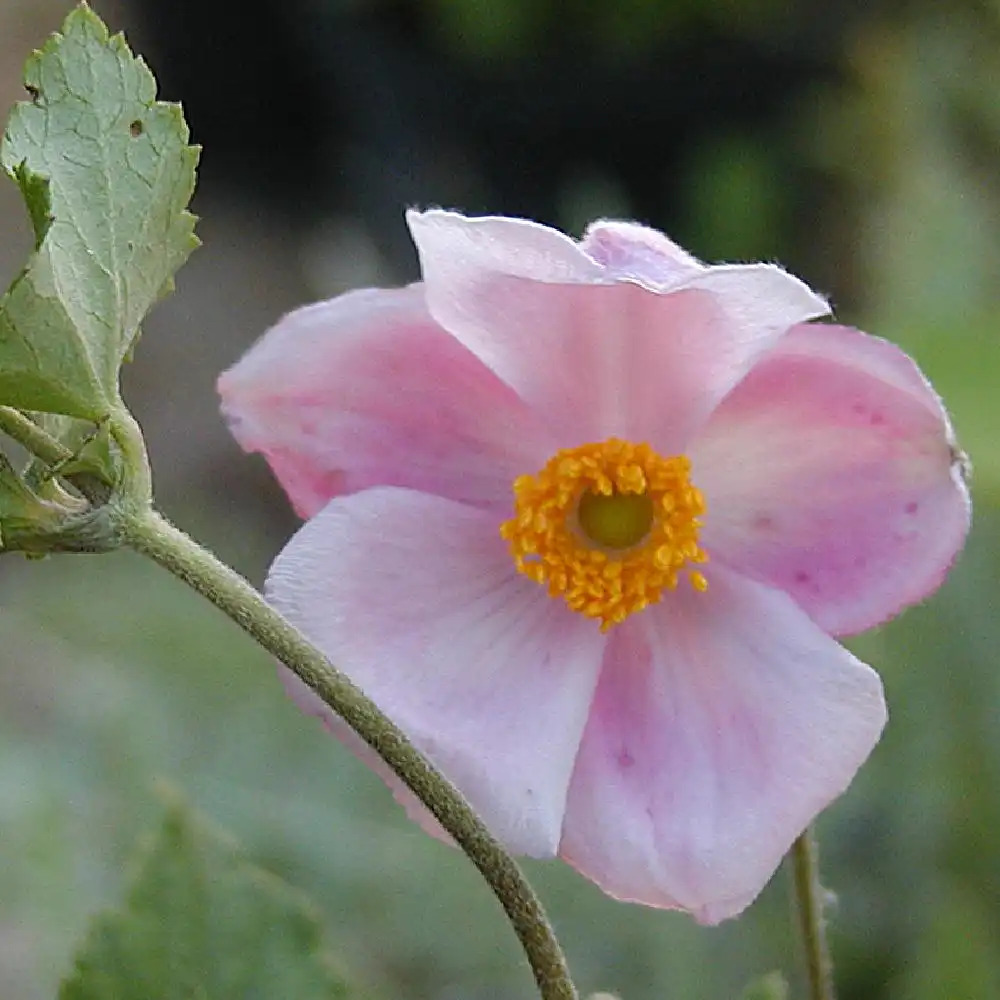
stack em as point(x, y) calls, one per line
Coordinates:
point(594, 356)
point(518, 248)
point(628, 250)
point(416, 599)
point(366, 390)
point(723, 722)
point(831, 473)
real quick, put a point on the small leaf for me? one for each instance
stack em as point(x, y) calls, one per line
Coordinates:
point(200, 921)
point(58, 522)
point(91, 447)
point(19, 507)
point(106, 173)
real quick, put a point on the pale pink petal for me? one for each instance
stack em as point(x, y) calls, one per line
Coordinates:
point(752, 295)
point(722, 724)
point(517, 248)
point(367, 390)
point(596, 357)
point(628, 250)
point(831, 472)
point(416, 599)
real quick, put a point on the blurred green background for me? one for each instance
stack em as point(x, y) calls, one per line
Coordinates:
point(858, 144)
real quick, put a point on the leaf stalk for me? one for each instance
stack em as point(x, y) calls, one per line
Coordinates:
point(809, 898)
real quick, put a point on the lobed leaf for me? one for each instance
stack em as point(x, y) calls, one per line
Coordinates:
point(200, 921)
point(106, 173)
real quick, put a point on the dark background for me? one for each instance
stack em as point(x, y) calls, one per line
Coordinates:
point(857, 144)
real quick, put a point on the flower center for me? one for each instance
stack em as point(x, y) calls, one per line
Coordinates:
point(615, 521)
point(607, 527)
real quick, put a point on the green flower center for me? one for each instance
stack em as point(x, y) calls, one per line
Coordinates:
point(616, 521)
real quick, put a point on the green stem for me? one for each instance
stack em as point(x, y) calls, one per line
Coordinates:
point(27, 433)
point(153, 536)
point(809, 894)
point(138, 491)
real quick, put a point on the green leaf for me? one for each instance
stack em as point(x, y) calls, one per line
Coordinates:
point(106, 173)
point(37, 524)
point(19, 507)
point(202, 923)
point(91, 447)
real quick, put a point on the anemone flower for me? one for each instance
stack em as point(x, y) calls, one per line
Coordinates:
point(584, 518)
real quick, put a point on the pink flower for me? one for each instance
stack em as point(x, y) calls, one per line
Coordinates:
point(583, 518)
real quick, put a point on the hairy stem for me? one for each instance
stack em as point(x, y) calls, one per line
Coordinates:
point(151, 535)
point(809, 895)
point(128, 436)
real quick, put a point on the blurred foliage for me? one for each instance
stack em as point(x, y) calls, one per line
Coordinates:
point(200, 921)
point(916, 140)
point(484, 29)
point(113, 676)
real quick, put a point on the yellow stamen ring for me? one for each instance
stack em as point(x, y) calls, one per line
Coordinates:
point(607, 527)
